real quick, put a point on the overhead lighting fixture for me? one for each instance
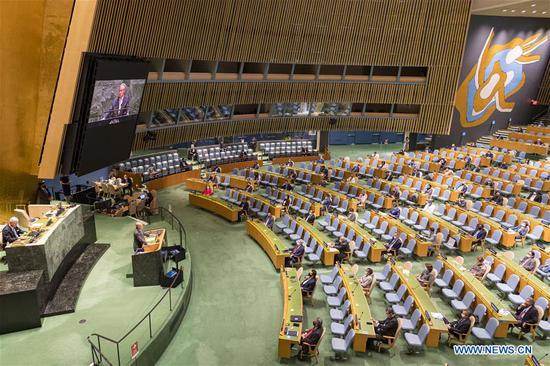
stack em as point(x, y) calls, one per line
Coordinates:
point(523, 11)
point(504, 10)
point(534, 11)
point(533, 4)
point(543, 12)
point(512, 11)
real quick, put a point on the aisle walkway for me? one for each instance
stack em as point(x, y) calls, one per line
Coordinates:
point(236, 306)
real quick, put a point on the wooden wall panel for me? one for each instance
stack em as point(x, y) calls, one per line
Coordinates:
point(424, 33)
point(365, 32)
point(196, 131)
point(543, 95)
point(175, 95)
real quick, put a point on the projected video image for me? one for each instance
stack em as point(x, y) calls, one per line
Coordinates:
point(114, 99)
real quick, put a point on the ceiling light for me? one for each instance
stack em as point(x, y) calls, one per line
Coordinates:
point(504, 10)
point(534, 11)
point(512, 11)
point(523, 11)
point(533, 4)
point(543, 12)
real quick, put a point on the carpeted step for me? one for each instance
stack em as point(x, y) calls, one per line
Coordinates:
point(65, 298)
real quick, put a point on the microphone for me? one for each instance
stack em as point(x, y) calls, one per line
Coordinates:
point(292, 293)
point(540, 359)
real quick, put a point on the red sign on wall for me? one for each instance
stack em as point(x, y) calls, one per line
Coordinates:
point(134, 349)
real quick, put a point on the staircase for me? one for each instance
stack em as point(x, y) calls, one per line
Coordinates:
point(544, 118)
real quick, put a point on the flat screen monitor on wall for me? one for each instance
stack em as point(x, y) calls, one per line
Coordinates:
point(105, 113)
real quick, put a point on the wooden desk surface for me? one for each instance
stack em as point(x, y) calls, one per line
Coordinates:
point(422, 198)
point(172, 179)
point(422, 246)
point(41, 226)
point(466, 239)
point(362, 323)
point(388, 200)
point(514, 168)
point(507, 158)
point(296, 159)
point(453, 197)
point(298, 195)
point(508, 238)
point(483, 295)
point(424, 303)
point(528, 136)
point(375, 253)
point(483, 161)
point(195, 184)
point(269, 241)
point(316, 178)
point(544, 254)
point(521, 217)
point(329, 253)
point(274, 208)
point(520, 146)
point(292, 306)
point(459, 164)
point(525, 278)
point(517, 186)
point(538, 129)
point(154, 240)
point(216, 206)
point(334, 193)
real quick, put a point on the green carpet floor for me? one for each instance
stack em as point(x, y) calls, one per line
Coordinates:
point(109, 304)
point(235, 313)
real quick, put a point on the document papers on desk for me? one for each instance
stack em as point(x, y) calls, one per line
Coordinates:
point(437, 316)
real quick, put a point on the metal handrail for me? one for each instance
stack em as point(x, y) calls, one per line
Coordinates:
point(181, 229)
point(96, 350)
point(99, 337)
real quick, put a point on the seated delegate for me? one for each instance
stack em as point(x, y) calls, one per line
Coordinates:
point(309, 282)
point(529, 262)
point(479, 235)
point(479, 268)
point(269, 221)
point(395, 211)
point(384, 328)
point(343, 247)
point(461, 325)
point(526, 314)
point(310, 338)
point(393, 246)
point(427, 277)
point(11, 232)
point(296, 254)
point(367, 281)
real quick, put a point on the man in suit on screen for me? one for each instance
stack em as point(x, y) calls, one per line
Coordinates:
point(120, 105)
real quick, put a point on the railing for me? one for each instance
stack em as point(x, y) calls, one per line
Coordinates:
point(97, 348)
point(98, 357)
point(164, 213)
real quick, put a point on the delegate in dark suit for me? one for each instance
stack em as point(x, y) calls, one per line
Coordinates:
point(119, 107)
point(313, 335)
point(526, 313)
point(394, 245)
point(460, 326)
point(139, 239)
point(296, 254)
point(343, 247)
point(10, 234)
point(269, 221)
point(308, 284)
